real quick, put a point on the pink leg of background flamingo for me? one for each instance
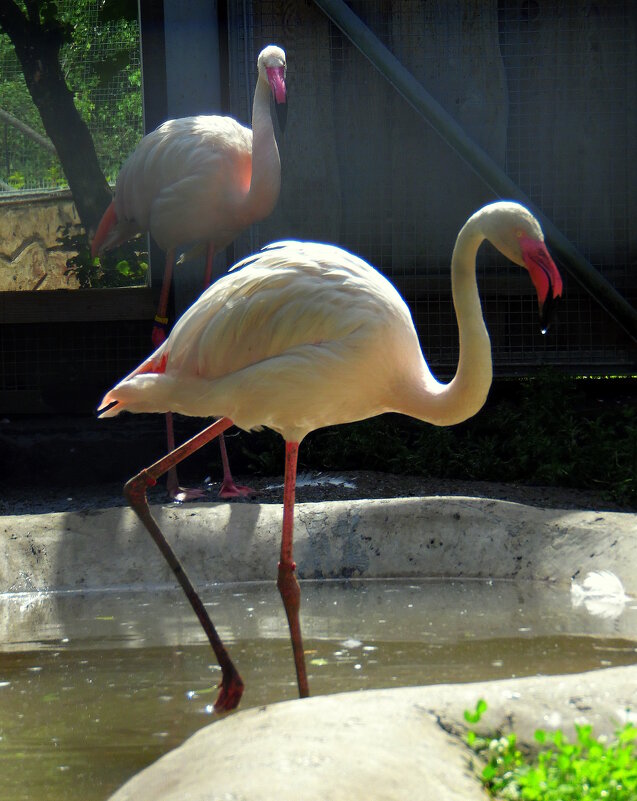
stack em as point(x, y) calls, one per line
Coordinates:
point(228, 489)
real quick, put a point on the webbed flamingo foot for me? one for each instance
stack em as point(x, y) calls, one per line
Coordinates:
point(181, 494)
point(229, 489)
point(230, 692)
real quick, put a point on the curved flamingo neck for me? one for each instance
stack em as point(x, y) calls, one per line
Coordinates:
point(465, 394)
point(265, 183)
point(471, 383)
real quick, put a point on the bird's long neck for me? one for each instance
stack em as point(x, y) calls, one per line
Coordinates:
point(265, 183)
point(465, 394)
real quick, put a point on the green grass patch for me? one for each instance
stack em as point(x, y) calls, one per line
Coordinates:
point(587, 769)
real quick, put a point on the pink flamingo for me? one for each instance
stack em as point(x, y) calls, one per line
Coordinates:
point(305, 335)
point(200, 179)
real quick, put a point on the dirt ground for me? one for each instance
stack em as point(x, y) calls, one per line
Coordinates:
point(368, 484)
point(313, 487)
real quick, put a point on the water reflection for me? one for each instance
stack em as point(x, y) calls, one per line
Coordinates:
point(360, 610)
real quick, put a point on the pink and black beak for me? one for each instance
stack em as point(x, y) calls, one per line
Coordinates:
point(276, 79)
point(545, 277)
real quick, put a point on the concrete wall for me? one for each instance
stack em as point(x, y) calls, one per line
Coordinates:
point(405, 537)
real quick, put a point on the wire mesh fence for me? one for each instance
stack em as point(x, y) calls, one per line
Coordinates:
point(544, 89)
point(66, 366)
point(102, 64)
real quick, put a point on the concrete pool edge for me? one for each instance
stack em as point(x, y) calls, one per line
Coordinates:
point(389, 744)
point(430, 536)
point(378, 744)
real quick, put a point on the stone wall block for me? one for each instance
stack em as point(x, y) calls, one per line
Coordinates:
point(30, 253)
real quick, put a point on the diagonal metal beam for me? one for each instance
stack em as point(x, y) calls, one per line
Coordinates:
point(480, 162)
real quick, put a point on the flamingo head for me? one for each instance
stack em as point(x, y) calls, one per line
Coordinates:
point(517, 235)
point(272, 67)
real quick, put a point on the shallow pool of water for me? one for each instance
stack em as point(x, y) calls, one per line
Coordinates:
point(94, 687)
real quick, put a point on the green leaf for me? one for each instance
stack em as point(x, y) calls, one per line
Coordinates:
point(474, 717)
point(488, 773)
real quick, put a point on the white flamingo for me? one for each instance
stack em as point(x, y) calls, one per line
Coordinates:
point(305, 335)
point(200, 179)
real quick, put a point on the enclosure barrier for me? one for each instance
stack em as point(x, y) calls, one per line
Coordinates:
point(473, 155)
point(543, 91)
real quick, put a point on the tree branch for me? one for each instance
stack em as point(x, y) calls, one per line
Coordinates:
point(37, 46)
point(43, 141)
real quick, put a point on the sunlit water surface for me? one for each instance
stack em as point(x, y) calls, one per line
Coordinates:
point(95, 687)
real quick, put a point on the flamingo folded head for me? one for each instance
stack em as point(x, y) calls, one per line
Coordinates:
point(515, 232)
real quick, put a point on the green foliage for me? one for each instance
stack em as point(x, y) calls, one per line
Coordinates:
point(123, 266)
point(23, 162)
point(101, 62)
point(476, 715)
point(589, 769)
point(263, 452)
point(548, 430)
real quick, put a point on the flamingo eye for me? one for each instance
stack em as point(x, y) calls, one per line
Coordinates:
point(519, 234)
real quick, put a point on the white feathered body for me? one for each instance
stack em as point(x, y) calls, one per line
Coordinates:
point(304, 335)
point(185, 182)
point(203, 178)
point(300, 336)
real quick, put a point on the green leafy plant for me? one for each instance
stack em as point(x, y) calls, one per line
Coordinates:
point(124, 266)
point(588, 769)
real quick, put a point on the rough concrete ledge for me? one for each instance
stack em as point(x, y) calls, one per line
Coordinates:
point(433, 537)
point(384, 744)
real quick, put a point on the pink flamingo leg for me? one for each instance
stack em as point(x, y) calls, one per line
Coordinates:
point(210, 257)
point(228, 487)
point(231, 687)
point(158, 336)
point(287, 582)
point(161, 320)
point(176, 492)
